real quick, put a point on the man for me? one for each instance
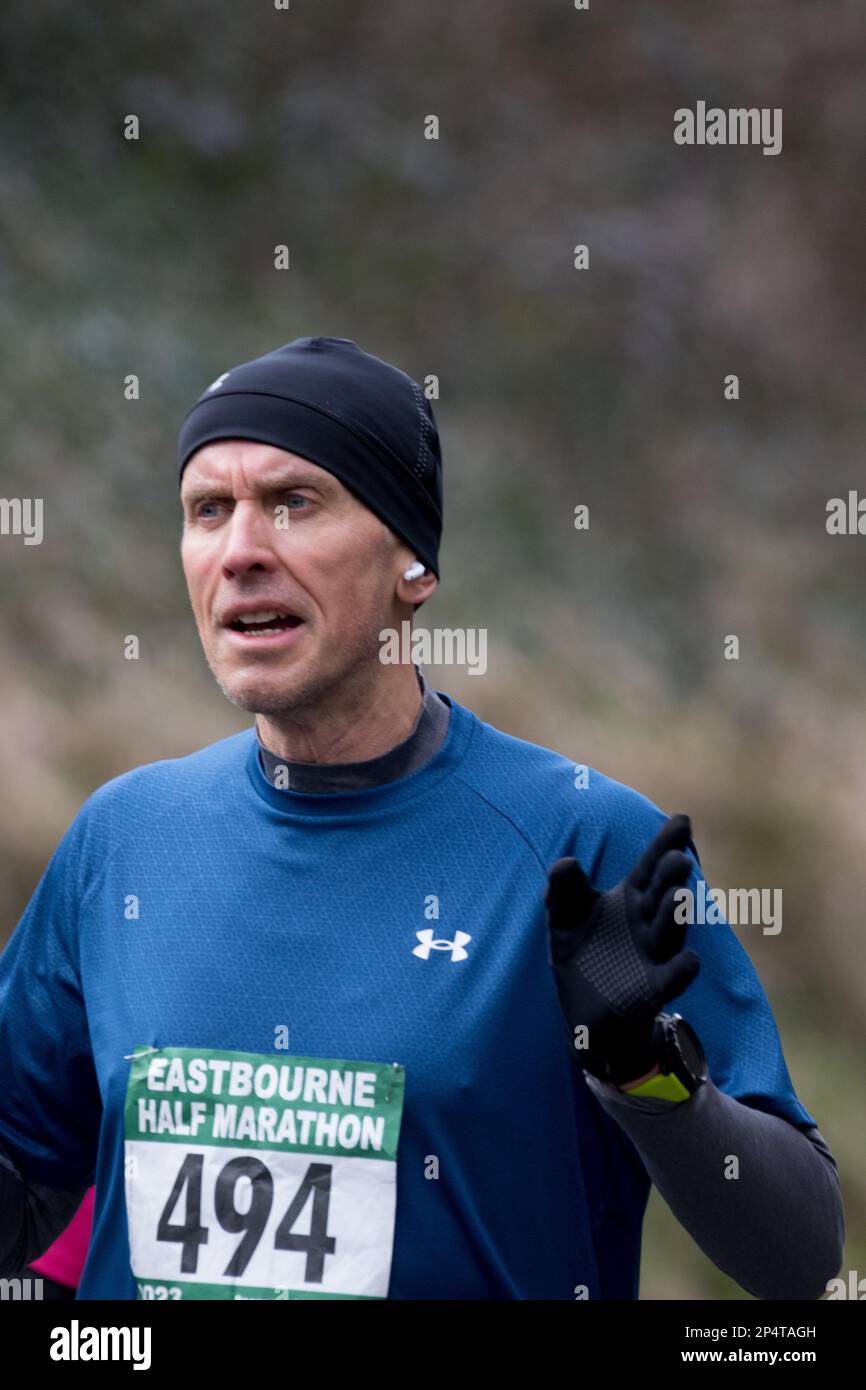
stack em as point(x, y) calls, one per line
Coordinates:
point(372, 999)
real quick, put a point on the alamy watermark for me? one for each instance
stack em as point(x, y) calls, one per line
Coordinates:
point(77, 1343)
point(23, 1290)
point(22, 516)
point(854, 1288)
point(737, 906)
point(846, 517)
point(739, 125)
point(444, 646)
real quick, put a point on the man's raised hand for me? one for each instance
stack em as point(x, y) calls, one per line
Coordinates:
point(618, 956)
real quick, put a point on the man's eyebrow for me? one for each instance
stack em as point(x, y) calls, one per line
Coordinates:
point(210, 487)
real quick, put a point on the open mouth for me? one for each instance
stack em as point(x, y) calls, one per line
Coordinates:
point(265, 623)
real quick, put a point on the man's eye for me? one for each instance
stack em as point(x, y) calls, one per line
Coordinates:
point(201, 509)
point(297, 497)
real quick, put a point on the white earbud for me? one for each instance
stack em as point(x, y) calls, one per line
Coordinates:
point(415, 571)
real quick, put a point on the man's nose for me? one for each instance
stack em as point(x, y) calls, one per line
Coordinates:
point(249, 540)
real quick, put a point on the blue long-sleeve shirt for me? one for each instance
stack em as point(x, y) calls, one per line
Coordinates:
point(256, 908)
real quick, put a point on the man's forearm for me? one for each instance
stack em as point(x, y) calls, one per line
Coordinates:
point(777, 1227)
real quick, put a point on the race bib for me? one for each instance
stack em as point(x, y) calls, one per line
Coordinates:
point(250, 1177)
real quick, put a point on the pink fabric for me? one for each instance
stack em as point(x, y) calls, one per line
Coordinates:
point(64, 1260)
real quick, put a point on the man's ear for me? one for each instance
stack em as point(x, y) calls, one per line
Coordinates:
point(412, 591)
point(416, 591)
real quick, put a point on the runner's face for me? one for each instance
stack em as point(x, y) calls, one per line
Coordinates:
point(268, 532)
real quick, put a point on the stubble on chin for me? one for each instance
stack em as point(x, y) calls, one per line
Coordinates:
point(352, 669)
point(270, 693)
point(270, 699)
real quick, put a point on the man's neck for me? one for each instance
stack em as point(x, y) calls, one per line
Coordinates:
point(415, 751)
point(354, 734)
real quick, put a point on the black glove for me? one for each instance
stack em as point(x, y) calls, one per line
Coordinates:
point(618, 956)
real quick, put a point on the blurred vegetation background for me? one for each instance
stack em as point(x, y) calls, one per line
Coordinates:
point(455, 257)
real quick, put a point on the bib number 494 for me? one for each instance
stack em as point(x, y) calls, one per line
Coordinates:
point(191, 1234)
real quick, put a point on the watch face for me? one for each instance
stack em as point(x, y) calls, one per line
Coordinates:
point(690, 1047)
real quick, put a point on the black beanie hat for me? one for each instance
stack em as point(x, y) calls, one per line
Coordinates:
point(363, 420)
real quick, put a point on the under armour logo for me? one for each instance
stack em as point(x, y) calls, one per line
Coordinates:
point(219, 381)
point(428, 944)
